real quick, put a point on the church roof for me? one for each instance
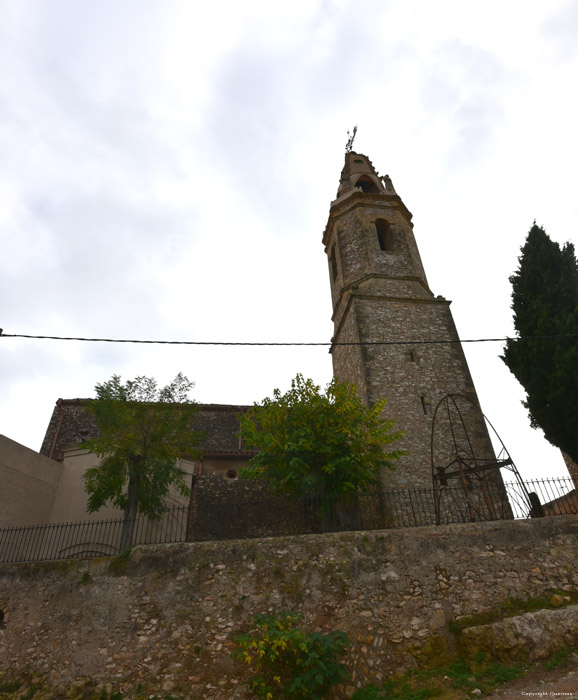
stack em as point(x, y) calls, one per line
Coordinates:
point(71, 424)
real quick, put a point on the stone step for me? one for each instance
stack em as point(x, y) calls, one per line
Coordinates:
point(525, 638)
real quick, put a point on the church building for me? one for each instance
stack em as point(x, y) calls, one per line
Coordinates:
point(392, 337)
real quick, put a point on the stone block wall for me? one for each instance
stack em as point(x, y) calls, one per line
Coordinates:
point(223, 508)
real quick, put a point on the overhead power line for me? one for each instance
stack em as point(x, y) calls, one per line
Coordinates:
point(270, 344)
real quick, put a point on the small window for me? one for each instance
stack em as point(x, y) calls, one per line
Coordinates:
point(425, 405)
point(383, 230)
point(333, 263)
point(412, 356)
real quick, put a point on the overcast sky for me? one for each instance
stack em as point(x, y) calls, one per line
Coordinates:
point(166, 170)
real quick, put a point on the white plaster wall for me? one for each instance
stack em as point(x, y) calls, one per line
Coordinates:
point(71, 499)
point(28, 484)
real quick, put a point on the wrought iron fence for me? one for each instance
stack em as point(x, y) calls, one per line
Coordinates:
point(246, 517)
point(89, 539)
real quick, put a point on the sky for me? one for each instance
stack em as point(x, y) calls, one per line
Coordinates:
point(167, 167)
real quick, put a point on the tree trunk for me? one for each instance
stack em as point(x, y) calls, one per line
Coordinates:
point(325, 508)
point(130, 513)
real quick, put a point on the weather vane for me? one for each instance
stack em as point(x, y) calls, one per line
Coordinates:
point(350, 138)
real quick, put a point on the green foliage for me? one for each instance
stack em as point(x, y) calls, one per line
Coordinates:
point(497, 674)
point(560, 658)
point(142, 432)
point(444, 681)
point(462, 676)
point(311, 443)
point(545, 303)
point(487, 679)
point(409, 689)
point(9, 686)
point(288, 662)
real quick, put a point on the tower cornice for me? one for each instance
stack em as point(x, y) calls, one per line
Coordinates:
point(353, 287)
point(356, 199)
point(353, 296)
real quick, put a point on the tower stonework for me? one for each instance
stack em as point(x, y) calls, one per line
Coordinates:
point(383, 305)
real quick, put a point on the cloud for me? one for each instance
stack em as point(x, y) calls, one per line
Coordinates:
point(463, 86)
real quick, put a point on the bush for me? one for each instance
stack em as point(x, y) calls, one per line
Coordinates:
point(288, 662)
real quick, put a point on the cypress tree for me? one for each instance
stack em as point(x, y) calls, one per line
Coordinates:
point(545, 303)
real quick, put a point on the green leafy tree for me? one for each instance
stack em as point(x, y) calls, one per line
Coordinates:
point(142, 432)
point(312, 443)
point(545, 303)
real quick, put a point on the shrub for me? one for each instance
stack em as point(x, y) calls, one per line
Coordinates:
point(288, 662)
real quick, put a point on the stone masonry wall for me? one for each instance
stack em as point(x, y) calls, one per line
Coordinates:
point(381, 298)
point(403, 374)
point(166, 617)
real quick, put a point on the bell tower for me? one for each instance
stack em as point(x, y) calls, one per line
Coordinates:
point(386, 318)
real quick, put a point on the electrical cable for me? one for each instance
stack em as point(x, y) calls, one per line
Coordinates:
point(281, 344)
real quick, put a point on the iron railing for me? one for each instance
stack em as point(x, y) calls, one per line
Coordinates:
point(266, 516)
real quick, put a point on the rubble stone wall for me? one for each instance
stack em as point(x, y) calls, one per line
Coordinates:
point(166, 617)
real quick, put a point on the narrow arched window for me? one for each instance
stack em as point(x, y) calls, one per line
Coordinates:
point(383, 230)
point(425, 405)
point(333, 263)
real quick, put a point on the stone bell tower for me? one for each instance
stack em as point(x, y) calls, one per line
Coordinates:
point(383, 305)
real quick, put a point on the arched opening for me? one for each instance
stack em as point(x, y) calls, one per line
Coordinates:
point(425, 405)
point(231, 474)
point(384, 237)
point(367, 185)
point(333, 264)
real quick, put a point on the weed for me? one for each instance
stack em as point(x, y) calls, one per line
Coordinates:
point(502, 673)
point(409, 690)
point(118, 564)
point(559, 659)
point(86, 578)
point(480, 657)
point(422, 684)
point(10, 686)
point(369, 692)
